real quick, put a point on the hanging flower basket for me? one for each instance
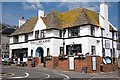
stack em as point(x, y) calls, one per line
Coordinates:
point(62, 56)
point(80, 57)
point(48, 57)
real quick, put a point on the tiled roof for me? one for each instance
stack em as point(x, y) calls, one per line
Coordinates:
point(71, 18)
point(27, 27)
point(8, 30)
point(61, 20)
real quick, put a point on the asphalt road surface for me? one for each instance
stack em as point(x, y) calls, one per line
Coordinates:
point(25, 73)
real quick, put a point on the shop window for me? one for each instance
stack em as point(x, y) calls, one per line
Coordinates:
point(26, 37)
point(75, 49)
point(37, 34)
point(93, 51)
point(48, 51)
point(15, 39)
point(92, 29)
point(74, 31)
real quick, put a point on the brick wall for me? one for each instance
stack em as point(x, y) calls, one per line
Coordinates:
point(52, 63)
point(37, 61)
point(63, 64)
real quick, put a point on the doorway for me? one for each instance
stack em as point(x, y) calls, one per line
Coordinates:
point(39, 53)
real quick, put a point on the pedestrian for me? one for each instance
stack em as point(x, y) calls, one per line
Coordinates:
point(16, 60)
point(33, 62)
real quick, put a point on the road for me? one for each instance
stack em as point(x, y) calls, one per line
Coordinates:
point(27, 73)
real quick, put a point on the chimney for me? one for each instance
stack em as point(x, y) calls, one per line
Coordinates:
point(104, 10)
point(21, 21)
point(40, 13)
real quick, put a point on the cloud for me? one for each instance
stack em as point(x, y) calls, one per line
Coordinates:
point(32, 5)
point(72, 5)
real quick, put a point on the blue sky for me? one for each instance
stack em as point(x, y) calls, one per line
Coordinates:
point(11, 11)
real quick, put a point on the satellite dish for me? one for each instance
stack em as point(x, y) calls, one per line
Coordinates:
point(107, 60)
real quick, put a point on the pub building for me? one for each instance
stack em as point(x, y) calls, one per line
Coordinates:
point(79, 40)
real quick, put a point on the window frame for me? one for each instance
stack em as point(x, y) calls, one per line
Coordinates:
point(72, 31)
point(36, 34)
point(93, 50)
point(26, 37)
point(16, 39)
point(92, 30)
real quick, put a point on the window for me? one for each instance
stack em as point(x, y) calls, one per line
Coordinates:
point(61, 50)
point(15, 39)
point(92, 29)
point(60, 34)
point(107, 44)
point(48, 51)
point(26, 38)
point(74, 31)
point(42, 34)
point(7, 46)
point(3, 46)
point(37, 34)
point(93, 52)
point(75, 49)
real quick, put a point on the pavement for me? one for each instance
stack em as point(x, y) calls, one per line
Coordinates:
point(40, 73)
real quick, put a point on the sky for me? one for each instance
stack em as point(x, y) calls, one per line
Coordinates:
point(12, 11)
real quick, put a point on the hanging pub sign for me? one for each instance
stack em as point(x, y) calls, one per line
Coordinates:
point(39, 42)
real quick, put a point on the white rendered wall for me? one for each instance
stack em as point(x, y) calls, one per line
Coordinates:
point(39, 26)
point(52, 33)
point(84, 30)
point(83, 41)
point(53, 45)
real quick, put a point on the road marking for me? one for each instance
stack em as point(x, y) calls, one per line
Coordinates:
point(63, 75)
point(27, 74)
point(48, 76)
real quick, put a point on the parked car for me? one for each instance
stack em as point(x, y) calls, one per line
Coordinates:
point(5, 59)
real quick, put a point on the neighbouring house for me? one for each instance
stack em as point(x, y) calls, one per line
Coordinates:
point(5, 31)
point(77, 39)
point(118, 48)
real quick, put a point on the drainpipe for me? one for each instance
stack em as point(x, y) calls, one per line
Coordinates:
point(103, 55)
